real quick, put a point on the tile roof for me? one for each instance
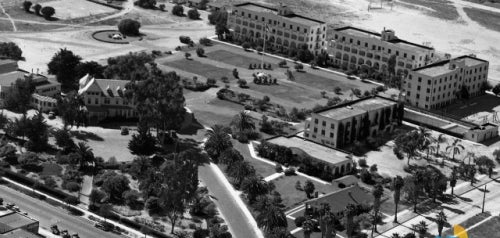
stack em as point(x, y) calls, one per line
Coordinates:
point(114, 85)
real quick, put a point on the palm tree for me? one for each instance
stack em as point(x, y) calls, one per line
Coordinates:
point(240, 170)
point(441, 220)
point(230, 156)
point(308, 227)
point(455, 147)
point(349, 212)
point(377, 193)
point(242, 121)
point(397, 185)
point(441, 139)
point(421, 229)
point(253, 187)
point(395, 235)
point(218, 140)
point(85, 153)
point(453, 180)
point(271, 218)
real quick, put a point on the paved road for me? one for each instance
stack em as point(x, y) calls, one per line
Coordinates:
point(47, 214)
point(234, 215)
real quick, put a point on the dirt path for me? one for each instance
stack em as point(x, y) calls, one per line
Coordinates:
point(14, 28)
point(127, 7)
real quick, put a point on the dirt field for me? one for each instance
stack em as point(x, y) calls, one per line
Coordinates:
point(69, 9)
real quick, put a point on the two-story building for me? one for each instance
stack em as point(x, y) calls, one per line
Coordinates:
point(354, 47)
point(341, 125)
point(105, 98)
point(441, 83)
point(282, 28)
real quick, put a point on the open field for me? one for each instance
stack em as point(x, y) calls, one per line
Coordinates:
point(441, 8)
point(488, 19)
point(69, 9)
point(208, 109)
point(490, 3)
point(475, 108)
point(235, 59)
point(487, 229)
point(207, 70)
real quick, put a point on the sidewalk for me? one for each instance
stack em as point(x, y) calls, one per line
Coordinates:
point(132, 232)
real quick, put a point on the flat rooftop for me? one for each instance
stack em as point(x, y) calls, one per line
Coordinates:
point(9, 78)
point(257, 7)
point(370, 34)
point(315, 150)
point(347, 110)
point(443, 67)
point(20, 233)
point(13, 221)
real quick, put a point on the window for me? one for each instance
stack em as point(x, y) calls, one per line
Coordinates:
point(332, 126)
point(429, 82)
point(418, 88)
point(336, 36)
point(315, 129)
point(88, 101)
point(366, 45)
point(359, 42)
point(298, 28)
point(404, 55)
point(418, 96)
point(412, 57)
point(419, 79)
point(331, 135)
point(242, 14)
point(106, 100)
point(350, 41)
point(322, 132)
point(324, 123)
point(316, 121)
point(389, 51)
point(249, 15)
point(397, 53)
point(96, 101)
point(263, 19)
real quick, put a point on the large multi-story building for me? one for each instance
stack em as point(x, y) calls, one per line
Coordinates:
point(343, 124)
point(285, 29)
point(353, 47)
point(439, 84)
point(104, 98)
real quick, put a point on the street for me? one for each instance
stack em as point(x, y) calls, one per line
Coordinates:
point(47, 215)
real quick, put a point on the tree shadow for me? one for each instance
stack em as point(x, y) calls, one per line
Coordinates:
point(465, 199)
point(85, 136)
point(192, 129)
point(454, 210)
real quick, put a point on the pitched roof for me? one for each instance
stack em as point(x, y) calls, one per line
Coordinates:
point(112, 87)
point(339, 200)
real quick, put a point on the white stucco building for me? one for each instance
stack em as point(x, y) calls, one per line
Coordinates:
point(249, 21)
point(439, 84)
point(353, 47)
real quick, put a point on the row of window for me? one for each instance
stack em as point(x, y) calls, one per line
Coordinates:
point(323, 123)
point(277, 23)
point(322, 132)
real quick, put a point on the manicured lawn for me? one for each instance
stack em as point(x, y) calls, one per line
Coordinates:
point(487, 229)
point(488, 19)
point(291, 196)
point(262, 169)
point(209, 110)
point(235, 59)
point(321, 83)
point(195, 67)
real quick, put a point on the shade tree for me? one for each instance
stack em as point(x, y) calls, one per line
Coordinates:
point(63, 64)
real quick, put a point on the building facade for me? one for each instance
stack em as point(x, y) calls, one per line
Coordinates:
point(354, 47)
point(104, 98)
point(343, 124)
point(441, 83)
point(285, 29)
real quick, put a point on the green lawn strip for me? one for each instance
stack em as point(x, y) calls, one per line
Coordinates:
point(237, 60)
point(489, 228)
point(205, 70)
point(262, 169)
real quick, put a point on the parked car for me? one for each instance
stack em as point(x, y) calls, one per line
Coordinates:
point(55, 230)
point(351, 77)
point(124, 131)
point(65, 234)
point(75, 235)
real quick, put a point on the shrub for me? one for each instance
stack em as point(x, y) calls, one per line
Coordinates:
point(187, 55)
point(366, 177)
point(193, 14)
point(259, 49)
point(242, 83)
point(50, 182)
point(362, 163)
point(278, 168)
point(162, 7)
point(337, 90)
point(129, 27)
point(185, 39)
point(246, 46)
point(224, 79)
point(290, 172)
point(282, 63)
point(205, 41)
point(48, 12)
point(27, 5)
point(72, 187)
point(37, 8)
point(299, 221)
point(178, 10)
point(211, 82)
point(200, 52)
point(299, 67)
point(380, 88)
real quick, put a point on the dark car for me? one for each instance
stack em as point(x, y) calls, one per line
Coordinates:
point(124, 131)
point(55, 230)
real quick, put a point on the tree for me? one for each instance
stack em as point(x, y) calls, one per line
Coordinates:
point(453, 180)
point(484, 163)
point(409, 143)
point(271, 218)
point(441, 139)
point(97, 196)
point(421, 229)
point(246, 45)
point(239, 171)
point(29, 161)
point(219, 19)
point(37, 8)
point(200, 52)
point(242, 122)
point(193, 14)
point(309, 188)
point(36, 129)
point(19, 98)
point(10, 50)
point(64, 140)
point(218, 140)
point(48, 12)
point(149, 4)
point(235, 73)
point(131, 198)
point(106, 211)
point(91, 68)
point(496, 89)
point(86, 156)
point(441, 220)
point(455, 147)
point(412, 190)
point(178, 10)
point(129, 27)
point(254, 187)
point(63, 65)
point(130, 67)
point(72, 110)
point(162, 7)
point(142, 143)
point(397, 185)
point(349, 213)
point(230, 156)
point(377, 193)
point(115, 186)
point(27, 5)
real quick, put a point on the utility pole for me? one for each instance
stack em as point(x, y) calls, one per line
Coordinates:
point(484, 198)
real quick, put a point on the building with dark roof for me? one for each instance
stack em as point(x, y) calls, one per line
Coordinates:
point(342, 124)
point(441, 83)
point(354, 47)
point(338, 200)
point(282, 28)
point(12, 221)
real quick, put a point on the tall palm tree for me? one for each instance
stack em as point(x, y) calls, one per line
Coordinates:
point(377, 193)
point(253, 187)
point(308, 227)
point(395, 235)
point(455, 147)
point(421, 229)
point(242, 121)
point(397, 185)
point(86, 154)
point(240, 170)
point(349, 213)
point(271, 218)
point(441, 139)
point(441, 220)
point(218, 140)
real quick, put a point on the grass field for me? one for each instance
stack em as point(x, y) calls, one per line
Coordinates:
point(487, 229)
point(488, 19)
point(490, 3)
point(291, 196)
point(261, 168)
point(484, 103)
point(234, 59)
point(5, 25)
point(206, 70)
point(322, 83)
point(442, 8)
point(285, 91)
